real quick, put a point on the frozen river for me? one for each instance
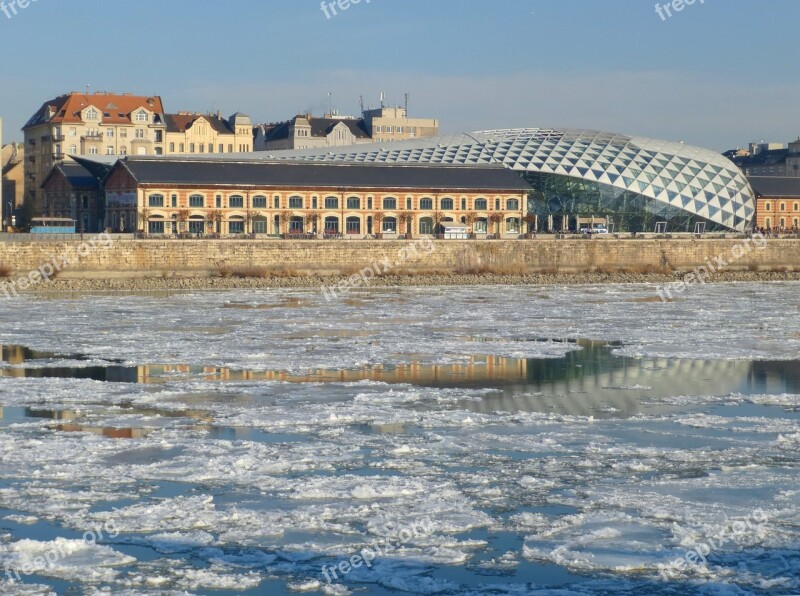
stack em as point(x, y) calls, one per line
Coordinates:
point(493, 440)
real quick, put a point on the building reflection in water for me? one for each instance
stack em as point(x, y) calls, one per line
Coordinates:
point(586, 381)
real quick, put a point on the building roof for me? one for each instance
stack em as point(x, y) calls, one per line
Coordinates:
point(320, 127)
point(75, 174)
point(202, 172)
point(183, 122)
point(115, 108)
point(775, 186)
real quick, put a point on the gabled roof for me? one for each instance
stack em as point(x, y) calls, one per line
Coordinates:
point(285, 174)
point(183, 122)
point(320, 127)
point(775, 186)
point(114, 108)
point(75, 174)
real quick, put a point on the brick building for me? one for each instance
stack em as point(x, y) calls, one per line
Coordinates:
point(206, 196)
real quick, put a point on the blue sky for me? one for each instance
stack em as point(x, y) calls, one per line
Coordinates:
point(718, 74)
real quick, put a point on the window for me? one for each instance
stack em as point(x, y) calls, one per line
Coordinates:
point(481, 225)
point(296, 225)
point(221, 148)
point(191, 147)
point(353, 225)
point(295, 202)
point(158, 151)
point(331, 225)
point(390, 203)
point(512, 225)
point(73, 150)
point(73, 132)
point(109, 150)
point(219, 201)
point(260, 225)
point(197, 201)
point(512, 205)
point(481, 205)
point(390, 225)
point(795, 206)
point(236, 202)
point(768, 207)
point(353, 203)
point(426, 204)
point(408, 203)
point(91, 114)
point(156, 227)
point(181, 148)
point(277, 202)
point(314, 203)
point(497, 204)
point(211, 147)
point(379, 129)
point(236, 227)
point(155, 201)
point(463, 204)
point(141, 116)
point(123, 134)
point(331, 203)
point(426, 225)
point(110, 133)
point(174, 201)
point(202, 148)
point(92, 150)
point(390, 129)
point(123, 151)
point(172, 147)
point(139, 133)
point(259, 202)
point(447, 204)
point(783, 206)
point(230, 148)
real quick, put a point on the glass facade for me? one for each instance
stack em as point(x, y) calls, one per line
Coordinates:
point(638, 184)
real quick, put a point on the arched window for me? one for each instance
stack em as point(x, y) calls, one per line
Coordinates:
point(481, 226)
point(295, 202)
point(783, 206)
point(155, 201)
point(512, 225)
point(353, 203)
point(331, 225)
point(197, 201)
point(426, 205)
point(390, 225)
point(353, 224)
point(447, 204)
point(767, 207)
point(426, 225)
point(296, 225)
point(512, 205)
point(481, 205)
point(390, 203)
point(332, 203)
point(260, 202)
point(236, 202)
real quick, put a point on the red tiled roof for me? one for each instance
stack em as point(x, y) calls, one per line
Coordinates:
point(115, 108)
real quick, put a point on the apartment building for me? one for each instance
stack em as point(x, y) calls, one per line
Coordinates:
point(305, 131)
point(89, 124)
point(191, 132)
point(393, 124)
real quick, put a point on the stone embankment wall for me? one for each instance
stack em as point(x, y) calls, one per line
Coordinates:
point(155, 258)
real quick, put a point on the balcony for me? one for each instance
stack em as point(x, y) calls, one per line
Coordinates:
point(94, 137)
point(59, 156)
point(58, 138)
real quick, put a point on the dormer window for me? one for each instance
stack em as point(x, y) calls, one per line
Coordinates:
point(141, 116)
point(91, 114)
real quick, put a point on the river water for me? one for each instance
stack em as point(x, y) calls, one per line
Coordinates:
point(493, 440)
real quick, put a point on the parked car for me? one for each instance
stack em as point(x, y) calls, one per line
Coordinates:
point(597, 228)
